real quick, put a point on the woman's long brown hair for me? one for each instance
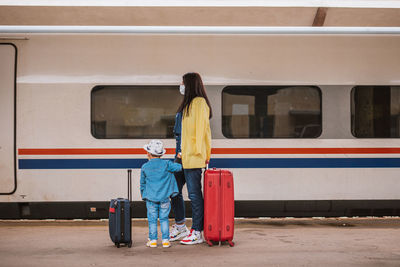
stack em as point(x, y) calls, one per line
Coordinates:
point(193, 88)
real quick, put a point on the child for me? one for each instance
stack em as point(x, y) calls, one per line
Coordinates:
point(157, 185)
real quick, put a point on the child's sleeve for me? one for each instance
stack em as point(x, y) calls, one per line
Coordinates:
point(174, 167)
point(142, 182)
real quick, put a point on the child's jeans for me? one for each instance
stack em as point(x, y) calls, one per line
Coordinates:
point(157, 210)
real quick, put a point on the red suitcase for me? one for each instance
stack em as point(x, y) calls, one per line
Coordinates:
point(219, 206)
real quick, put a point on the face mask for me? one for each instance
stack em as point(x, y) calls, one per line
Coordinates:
point(182, 89)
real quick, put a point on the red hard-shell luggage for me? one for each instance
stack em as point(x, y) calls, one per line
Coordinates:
point(219, 206)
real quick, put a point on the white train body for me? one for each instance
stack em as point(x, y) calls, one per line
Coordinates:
point(56, 73)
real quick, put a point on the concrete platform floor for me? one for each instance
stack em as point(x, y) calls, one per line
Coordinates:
point(265, 242)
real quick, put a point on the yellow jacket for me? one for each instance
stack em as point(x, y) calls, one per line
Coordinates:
point(196, 135)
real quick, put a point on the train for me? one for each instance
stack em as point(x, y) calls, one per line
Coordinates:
point(307, 119)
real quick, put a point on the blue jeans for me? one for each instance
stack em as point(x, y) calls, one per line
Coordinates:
point(157, 210)
point(193, 182)
point(192, 178)
point(178, 205)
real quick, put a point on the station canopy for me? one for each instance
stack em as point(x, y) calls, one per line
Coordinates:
point(285, 13)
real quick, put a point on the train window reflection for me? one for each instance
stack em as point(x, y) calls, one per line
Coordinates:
point(271, 112)
point(134, 111)
point(375, 111)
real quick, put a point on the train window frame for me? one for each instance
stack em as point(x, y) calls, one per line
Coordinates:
point(272, 86)
point(352, 117)
point(92, 108)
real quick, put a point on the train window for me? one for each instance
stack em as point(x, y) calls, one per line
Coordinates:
point(271, 112)
point(375, 111)
point(134, 111)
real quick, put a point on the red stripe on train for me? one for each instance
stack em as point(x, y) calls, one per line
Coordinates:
point(140, 151)
point(86, 151)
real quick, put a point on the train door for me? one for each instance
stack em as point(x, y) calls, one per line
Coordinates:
point(7, 118)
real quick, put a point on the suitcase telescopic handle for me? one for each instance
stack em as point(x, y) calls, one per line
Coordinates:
point(130, 185)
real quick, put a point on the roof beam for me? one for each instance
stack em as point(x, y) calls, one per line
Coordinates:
point(12, 30)
point(208, 3)
point(320, 16)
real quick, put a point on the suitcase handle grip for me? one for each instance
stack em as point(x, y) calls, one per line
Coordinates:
point(130, 185)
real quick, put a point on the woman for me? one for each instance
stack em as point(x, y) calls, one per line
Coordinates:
point(193, 135)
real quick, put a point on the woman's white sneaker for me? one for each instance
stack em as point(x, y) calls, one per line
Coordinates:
point(178, 232)
point(193, 238)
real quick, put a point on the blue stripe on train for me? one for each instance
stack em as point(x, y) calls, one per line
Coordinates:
point(216, 162)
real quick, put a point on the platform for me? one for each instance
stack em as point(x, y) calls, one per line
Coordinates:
point(265, 242)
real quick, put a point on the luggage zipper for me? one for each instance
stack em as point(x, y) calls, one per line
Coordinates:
point(122, 221)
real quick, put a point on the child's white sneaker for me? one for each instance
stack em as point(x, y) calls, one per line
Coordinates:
point(178, 232)
point(165, 243)
point(193, 238)
point(151, 243)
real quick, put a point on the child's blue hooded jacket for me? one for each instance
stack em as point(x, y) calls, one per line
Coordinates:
point(157, 181)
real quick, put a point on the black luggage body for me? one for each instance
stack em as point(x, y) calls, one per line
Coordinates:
point(120, 214)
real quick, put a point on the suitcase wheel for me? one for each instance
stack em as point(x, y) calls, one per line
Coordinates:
point(231, 243)
point(130, 244)
point(209, 243)
point(117, 244)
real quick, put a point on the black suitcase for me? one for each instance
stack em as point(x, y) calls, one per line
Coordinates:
point(120, 214)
